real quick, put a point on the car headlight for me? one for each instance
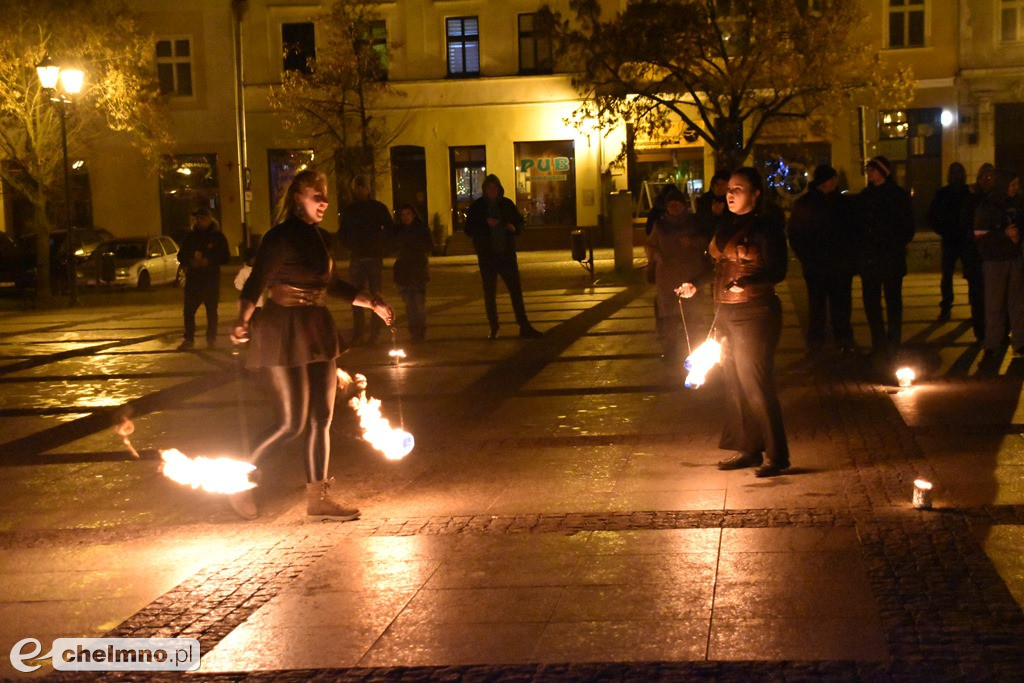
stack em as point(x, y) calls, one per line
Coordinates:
point(121, 272)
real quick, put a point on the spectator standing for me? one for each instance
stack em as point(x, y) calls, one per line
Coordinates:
point(886, 228)
point(998, 235)
point(494, 222)
point(411, 272)
point(711, 208)
point(749, 252)
point(823, 239)
point(365, 226)
point(944, 218)
point(203, 251)
point(984, 182)
point(677, 250)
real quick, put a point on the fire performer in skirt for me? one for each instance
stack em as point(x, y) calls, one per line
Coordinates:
point(749, 251)
point(295, 340)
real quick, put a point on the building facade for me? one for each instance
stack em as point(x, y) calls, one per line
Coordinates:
point(479, 95)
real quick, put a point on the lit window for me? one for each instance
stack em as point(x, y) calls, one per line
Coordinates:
point(1011, 20)
point(174, 66)
point(379, 42)
point(534, 48)
point(893, 125)
point(463, 46)
point(299, 43)
point(906, 23)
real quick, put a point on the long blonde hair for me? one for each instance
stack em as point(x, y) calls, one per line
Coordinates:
point(302, 180)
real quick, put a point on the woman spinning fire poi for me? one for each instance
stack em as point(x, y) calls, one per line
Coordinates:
point(295, 340)
point(749, 252)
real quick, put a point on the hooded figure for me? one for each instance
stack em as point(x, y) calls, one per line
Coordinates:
point(494, 222)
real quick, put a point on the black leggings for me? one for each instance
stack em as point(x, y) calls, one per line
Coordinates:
point(305, 402)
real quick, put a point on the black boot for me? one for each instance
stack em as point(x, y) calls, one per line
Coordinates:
point(741, 460)
point(771, 469)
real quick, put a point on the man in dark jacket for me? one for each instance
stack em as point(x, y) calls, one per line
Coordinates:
point(710, 208)
point(886, 228)
point(494, 222)
point(203, 251)
point(822, 236)
point(983, 185)
point(944, 218)
point(365, 225)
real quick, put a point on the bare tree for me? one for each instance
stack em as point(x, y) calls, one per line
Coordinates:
point(120, 94)
point(330, 102)
point(725, 68)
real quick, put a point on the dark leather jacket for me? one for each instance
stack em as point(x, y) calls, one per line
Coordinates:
point(749, 251)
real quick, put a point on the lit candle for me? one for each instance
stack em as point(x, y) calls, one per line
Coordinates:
point(922, 494)
point(905, 376)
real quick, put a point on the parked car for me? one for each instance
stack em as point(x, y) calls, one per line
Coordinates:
point(87, 239)
point(133, 262)
point(17, 266)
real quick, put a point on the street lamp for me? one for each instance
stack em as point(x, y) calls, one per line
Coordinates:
point(71, 80)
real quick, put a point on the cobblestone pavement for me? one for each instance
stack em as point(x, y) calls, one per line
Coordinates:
point(559, 519)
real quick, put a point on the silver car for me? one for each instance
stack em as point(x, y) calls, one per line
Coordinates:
point(133, 262)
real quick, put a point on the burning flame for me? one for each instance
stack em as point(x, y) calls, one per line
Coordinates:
point(396, 356)
point(905, 376)
point(701, 361)
point(124, 430)
point(215, 475)
point(393, 442)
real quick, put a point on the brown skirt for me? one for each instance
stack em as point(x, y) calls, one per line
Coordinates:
point(290, 336)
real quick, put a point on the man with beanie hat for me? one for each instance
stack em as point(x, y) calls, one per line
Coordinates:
point(886, 219)
point(493, 221)
point(823, 239)
point(203, 251)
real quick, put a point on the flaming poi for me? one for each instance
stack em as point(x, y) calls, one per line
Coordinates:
point(701, 361)
point(215, 475)
point(393, 442)
point(124, 429)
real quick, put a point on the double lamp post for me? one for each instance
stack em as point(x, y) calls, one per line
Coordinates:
point(70, 80)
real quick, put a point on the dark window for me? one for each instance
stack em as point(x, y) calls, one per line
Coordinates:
point(534, 48)
point(299, 43)
point(463, 46)
point(1011, 18)
point(906, 23)
point(174, 67)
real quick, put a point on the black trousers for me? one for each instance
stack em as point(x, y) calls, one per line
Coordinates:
point(505, 266)
point(304, 397)
point(206, 292)
point(885, 335)
point(970, 264)
point(829, 295)
point(753, 416)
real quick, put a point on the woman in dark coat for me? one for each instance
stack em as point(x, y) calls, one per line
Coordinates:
point(294, 338)
point(414, 244)
point(998, 237)
point(749, 251)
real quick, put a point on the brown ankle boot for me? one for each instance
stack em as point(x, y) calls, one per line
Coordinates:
point(244, 504)
point(320, 505)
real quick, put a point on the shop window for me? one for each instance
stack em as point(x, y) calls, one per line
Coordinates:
point(187, 182)
point(298, 41)
point(906, 23)
point(534, 47)
point(546, 182)
point(174, 66)
point(463, 46)
point(283, 165)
